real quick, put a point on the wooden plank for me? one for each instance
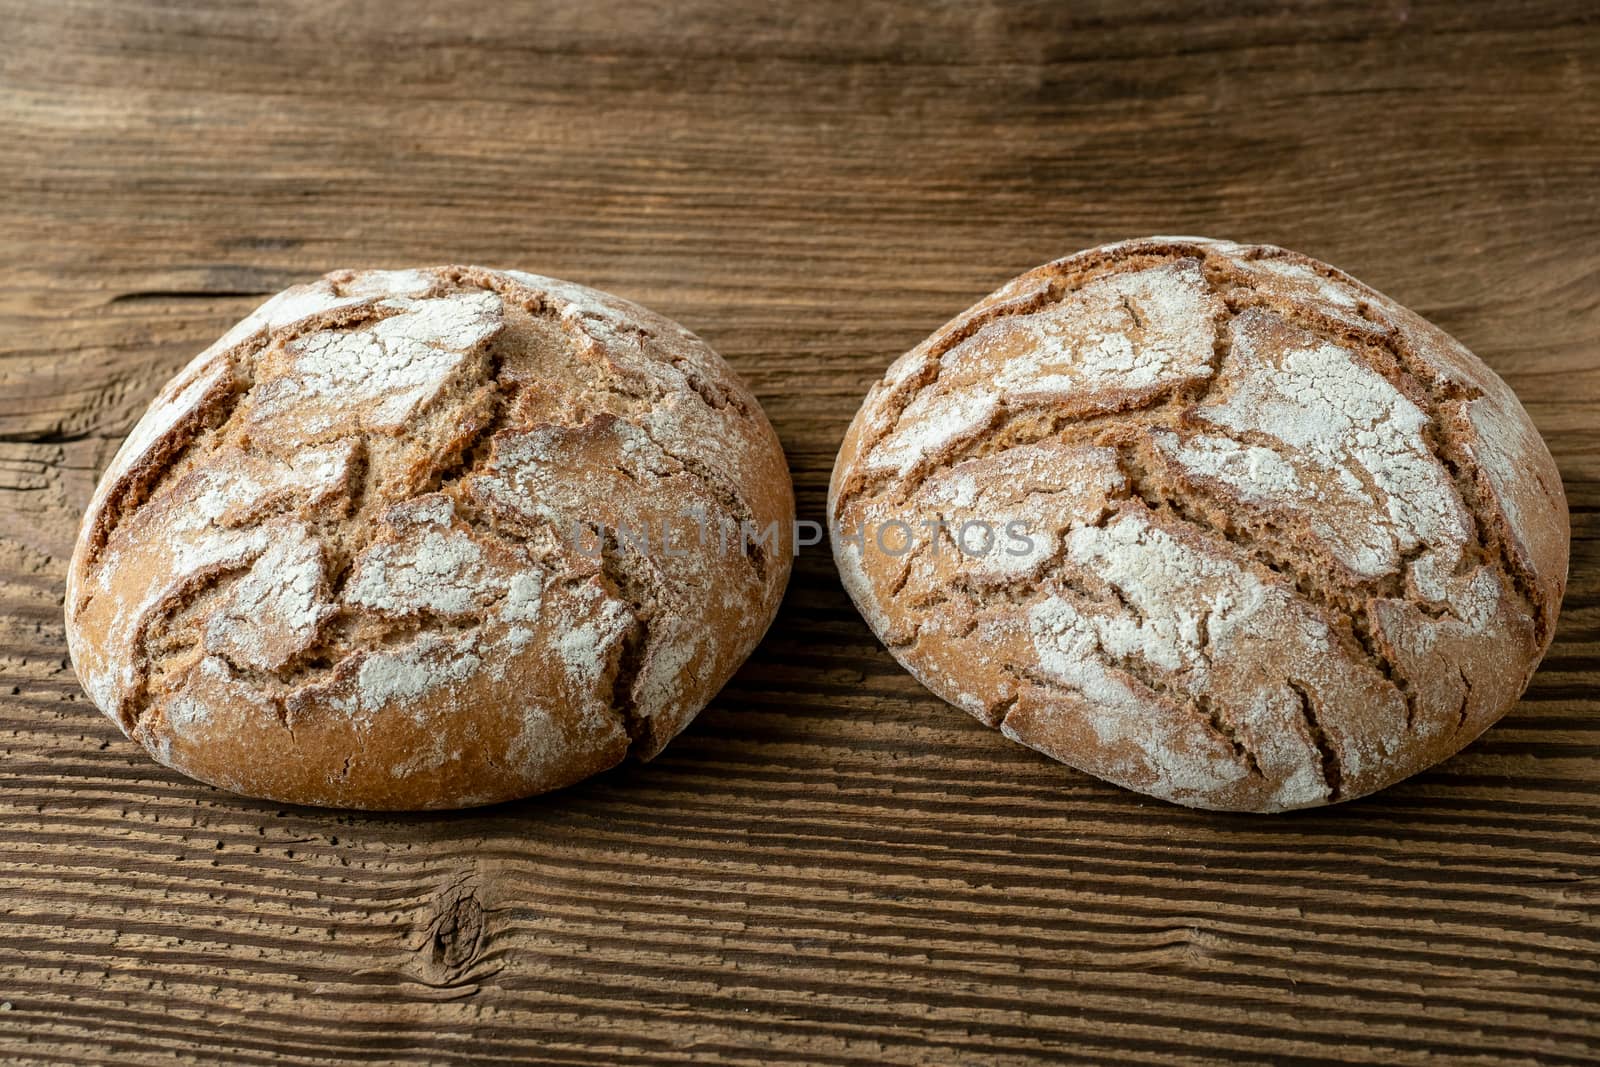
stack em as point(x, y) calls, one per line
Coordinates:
point(830, 865)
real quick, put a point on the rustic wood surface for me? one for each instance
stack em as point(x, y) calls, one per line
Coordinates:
point(830, 866)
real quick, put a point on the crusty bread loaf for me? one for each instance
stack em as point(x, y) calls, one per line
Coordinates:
point(1290, 542)
point(353, 554)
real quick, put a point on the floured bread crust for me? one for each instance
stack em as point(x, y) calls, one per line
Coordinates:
point(349, 556)
point(1288, 541)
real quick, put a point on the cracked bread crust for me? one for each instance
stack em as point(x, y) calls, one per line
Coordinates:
point(1289, 542)
point(339, 560)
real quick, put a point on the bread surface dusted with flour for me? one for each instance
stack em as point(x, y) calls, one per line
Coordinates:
point(1279, 541)
point(368, 549)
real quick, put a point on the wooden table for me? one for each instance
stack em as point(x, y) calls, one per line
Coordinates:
point(831, 865)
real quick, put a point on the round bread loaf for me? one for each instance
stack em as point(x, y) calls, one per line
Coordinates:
point(1214, 522)
point(430, 539)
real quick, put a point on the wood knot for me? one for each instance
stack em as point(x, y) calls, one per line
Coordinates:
point(455, 934)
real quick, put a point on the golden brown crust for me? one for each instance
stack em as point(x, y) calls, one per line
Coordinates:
point(350, 556)
point(1289, 542)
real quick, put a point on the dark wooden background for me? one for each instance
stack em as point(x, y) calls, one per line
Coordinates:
point(830, 866)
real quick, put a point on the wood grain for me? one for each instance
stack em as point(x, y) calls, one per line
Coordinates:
point(830, 866)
